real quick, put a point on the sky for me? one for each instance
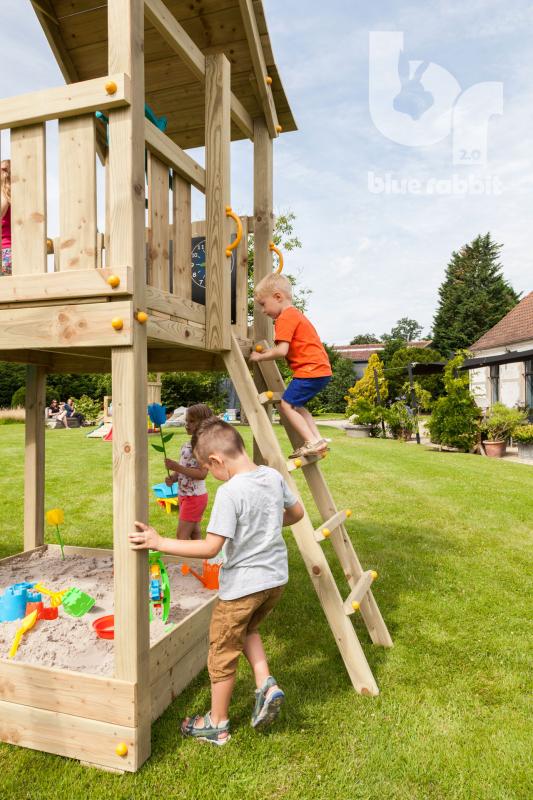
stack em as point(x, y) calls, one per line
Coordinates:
point(415, 135)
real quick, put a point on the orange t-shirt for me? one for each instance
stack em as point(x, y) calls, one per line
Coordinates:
point(307, 357)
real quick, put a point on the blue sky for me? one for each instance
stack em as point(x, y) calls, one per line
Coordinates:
point(372, 257)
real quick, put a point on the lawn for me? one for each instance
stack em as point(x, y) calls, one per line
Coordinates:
point(449, 535)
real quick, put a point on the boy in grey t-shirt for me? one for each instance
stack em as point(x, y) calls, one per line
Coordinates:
point(248, 514)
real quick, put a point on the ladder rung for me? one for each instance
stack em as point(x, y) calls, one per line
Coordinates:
point(304, 461)
point(358, 592)
point(331, 524)
point(269, 397)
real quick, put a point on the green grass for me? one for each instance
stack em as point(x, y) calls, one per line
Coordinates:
point(449, 535)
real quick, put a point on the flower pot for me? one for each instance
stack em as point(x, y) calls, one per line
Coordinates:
point(495, 449)
point(525, 450)
point(357, 431)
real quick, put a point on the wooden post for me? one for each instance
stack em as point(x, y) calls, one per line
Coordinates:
point(129, 364)
point(181, 237)
point(263, 232)
point(378, 399)
point(34, 457)
point(217, 196)
point(414, 401)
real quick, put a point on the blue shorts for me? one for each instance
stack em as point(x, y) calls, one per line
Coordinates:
point(301, 390)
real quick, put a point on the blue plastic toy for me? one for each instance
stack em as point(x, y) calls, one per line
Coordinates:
point(163, 491)
point(13, 601)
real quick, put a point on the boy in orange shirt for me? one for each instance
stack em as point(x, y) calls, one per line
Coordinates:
point(297, 341)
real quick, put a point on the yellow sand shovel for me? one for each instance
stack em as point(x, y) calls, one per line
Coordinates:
point(27, 623)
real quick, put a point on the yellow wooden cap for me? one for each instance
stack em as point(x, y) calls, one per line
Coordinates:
point(121, 749)
point(111, 87)
point(49, 247)
point(374, 574)
point(113, 281)
point(297, 462)
point(355, 605)
point(279, 128)
point(270, 395)
point(141, 317)
point(326, 532)
point(348, 512)
point(117, 323)
point(259, 348)
point(268, 80)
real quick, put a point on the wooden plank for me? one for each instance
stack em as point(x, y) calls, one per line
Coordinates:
point(158, 223)
point(191, 55)
point(64, 101)
point(179, 359)
point(173, 682)
point(80, 325)
point(164, 148)
point(263, 233)
point(241, 300)
point(66, 735)
point(259, 65)
point(89, 696)
point(34, 457)
point(340, 540)
point(173, 331)
point(77, 193)
point(61, 286)
point(304, 461)
point(269, 397)
point(86, 552)
point(330, 525)
point(217, 159)
point(175, 306)
point(129, 365)
point(312, 554)
point(167, 651)
point(23, 556)
point(356, 596)
point(181, 239)
point(28, 199)
point(44, 12)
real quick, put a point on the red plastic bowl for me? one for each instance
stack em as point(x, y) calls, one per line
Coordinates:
point(105, 627)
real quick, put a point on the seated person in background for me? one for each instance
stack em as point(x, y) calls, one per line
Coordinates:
point(73, 413)
point(53, 410)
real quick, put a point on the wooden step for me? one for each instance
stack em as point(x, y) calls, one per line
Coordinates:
point(327, 527)
point(304, 461)
point(353, 601)
point(269, 397)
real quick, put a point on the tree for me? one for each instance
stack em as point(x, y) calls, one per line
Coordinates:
point(366, 387)
point(410, 355)
point(473, 297)
point(406, 329)
point(284, 238)
point(332, 398)
point(455, 418)
point(365, 338)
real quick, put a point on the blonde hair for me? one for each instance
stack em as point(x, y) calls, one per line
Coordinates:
point(5, 180)
point(273, 283)
point(215, 435)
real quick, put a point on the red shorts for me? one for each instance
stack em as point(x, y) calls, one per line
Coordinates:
point(192, 507)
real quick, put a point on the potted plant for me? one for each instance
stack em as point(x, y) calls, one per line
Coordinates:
point(400, 420)
point(498, 425)
point(523, 436)
point(365, 419)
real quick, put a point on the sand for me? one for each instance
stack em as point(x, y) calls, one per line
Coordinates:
point(69, 642)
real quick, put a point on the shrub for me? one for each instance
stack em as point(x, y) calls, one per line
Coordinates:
point(423, 396)
point(455, 418)
point(523, 434)
point(400, 420)
point(18, 399)
point(501, 421)
point(365, 388)
point(366, 413)
point(90, 409)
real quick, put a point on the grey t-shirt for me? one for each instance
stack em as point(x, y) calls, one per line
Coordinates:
point(248, 512)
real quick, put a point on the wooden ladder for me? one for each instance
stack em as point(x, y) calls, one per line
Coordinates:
point(360, 598)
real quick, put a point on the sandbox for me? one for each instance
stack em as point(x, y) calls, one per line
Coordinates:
point(58, 693)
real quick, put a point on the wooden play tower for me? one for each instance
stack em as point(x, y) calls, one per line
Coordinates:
point(121, 301)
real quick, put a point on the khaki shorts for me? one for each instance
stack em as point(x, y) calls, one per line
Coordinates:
point(231, 623)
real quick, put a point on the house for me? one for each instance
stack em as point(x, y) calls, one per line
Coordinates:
point(359, 354)
point(502, 367)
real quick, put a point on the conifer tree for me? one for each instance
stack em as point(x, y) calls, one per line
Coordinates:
point(473, 297)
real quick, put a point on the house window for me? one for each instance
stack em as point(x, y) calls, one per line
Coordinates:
point(494, 383)
point(528, 373)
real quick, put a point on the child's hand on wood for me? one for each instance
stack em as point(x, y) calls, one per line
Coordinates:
point(144, 538)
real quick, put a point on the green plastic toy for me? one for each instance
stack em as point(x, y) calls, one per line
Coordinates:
point(77, 603)
point(159, 587)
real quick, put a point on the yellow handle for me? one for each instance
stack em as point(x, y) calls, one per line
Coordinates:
point(273, 249)
point(237, 241)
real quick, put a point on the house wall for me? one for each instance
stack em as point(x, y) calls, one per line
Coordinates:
point(512, 380)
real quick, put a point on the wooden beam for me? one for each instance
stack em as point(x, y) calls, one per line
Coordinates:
point(181, 639)
point(181, 43)
point(129, 365)
point(34, 458)
point(81, 325)
point(45, 14)
point(174, 305)
point(72, 100)
point(218, 197)
point(181, 240)
point(158, 271)
point(259, 65)
point(177, 359)
point(170, 330)
point(241, 300)
point(183, 671)
point(28, 199)
point(164, 148)
point(62, 286)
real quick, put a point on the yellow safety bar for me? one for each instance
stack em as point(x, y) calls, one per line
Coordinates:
point(273, 249)
point(237, 241)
